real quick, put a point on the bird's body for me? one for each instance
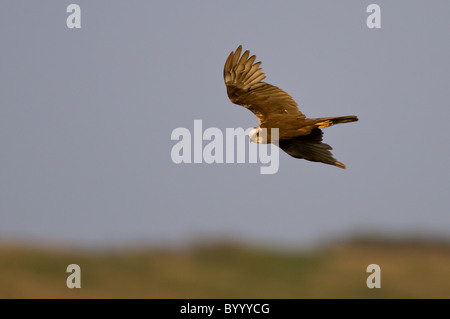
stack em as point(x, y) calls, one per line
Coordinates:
point(299, 136)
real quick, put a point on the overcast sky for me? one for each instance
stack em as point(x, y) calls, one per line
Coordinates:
point(86, 117)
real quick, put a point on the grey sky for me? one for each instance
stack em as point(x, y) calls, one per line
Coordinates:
point(86, 118)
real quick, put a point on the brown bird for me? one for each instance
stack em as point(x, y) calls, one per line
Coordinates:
point(299, 136)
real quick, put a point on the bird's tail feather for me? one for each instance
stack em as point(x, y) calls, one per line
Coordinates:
point(329, 121)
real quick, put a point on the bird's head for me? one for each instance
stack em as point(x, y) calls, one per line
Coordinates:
point(256, 135)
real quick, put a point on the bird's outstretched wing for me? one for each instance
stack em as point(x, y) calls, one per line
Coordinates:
point(243, 79)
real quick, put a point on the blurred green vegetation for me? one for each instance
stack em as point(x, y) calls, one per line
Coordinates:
point(409, 269)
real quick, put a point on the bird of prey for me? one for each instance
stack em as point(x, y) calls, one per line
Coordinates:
point(299, 136)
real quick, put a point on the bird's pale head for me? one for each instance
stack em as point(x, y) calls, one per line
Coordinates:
point(256, 135)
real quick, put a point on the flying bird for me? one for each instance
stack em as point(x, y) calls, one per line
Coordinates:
point(299, 136)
